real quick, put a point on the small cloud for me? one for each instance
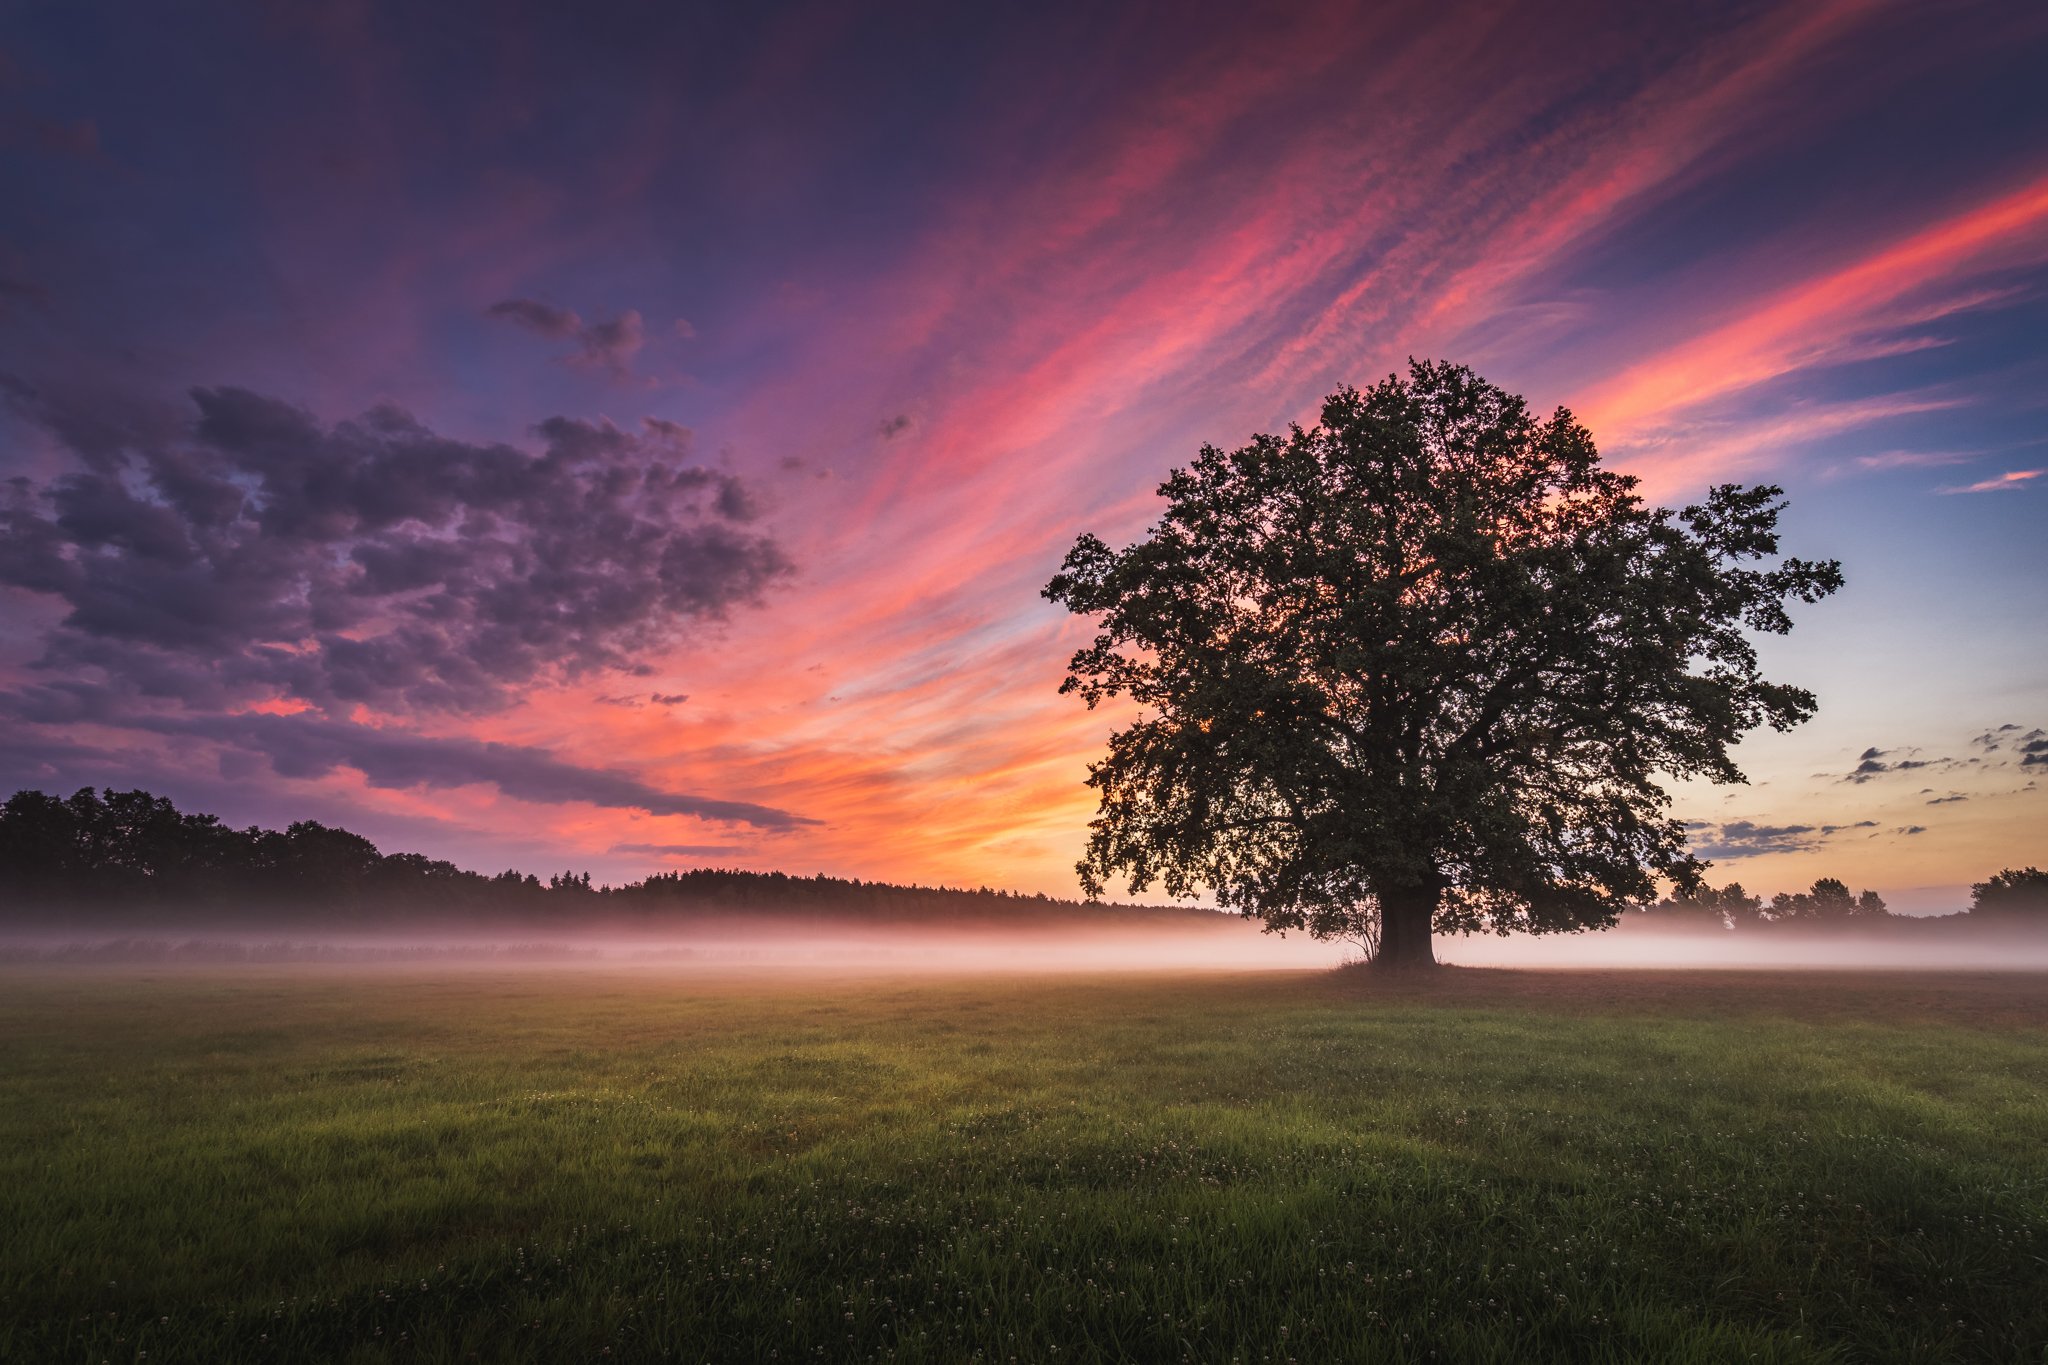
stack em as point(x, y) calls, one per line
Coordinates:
point(554, 323)
point(1747, 839)
point(1910, 829)
point(680, 850)
point(634, 702)
point(613, 342)
point(1950, 799)
point(609, 343)
point(2011, 479)
point(675, 433)
point(890, 428)
point(683, 328)
point(1873, 762)
point(1915, 459)
point(1869, 764)
point(1992, 739)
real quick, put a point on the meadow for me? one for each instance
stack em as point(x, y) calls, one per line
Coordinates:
point(272, 1163)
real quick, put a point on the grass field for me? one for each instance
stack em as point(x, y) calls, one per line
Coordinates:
point(285, 1164)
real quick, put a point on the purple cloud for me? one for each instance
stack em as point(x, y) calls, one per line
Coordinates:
point(681, 850)
point(258, 553)
point(609, 343)
point(307, 746)
point(1747, 839)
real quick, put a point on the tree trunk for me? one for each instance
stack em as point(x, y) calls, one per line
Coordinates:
point(1405, 916)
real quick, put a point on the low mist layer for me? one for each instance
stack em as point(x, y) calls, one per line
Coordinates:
point(2014, 950)
point(812, 945)
point(847, 947)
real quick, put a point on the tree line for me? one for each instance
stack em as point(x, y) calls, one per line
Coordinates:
point(134, 856)
point(2015, 896)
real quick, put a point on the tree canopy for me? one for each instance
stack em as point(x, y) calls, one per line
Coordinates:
point(1829, 899)
point(1424, 665)
point(1827, 904)
point(1725, 907)
point(2015, 891)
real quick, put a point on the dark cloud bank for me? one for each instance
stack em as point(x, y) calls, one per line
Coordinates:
point(254, 554)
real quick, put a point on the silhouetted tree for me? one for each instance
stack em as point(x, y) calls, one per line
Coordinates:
point(1828, 902)
point(2021, 893)
point(1424, 665)
point(1704, 906)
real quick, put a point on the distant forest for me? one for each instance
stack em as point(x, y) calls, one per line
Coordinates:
point(131, 858)
point(2014, 897)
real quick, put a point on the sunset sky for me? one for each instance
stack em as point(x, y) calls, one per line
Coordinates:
point(633, 436)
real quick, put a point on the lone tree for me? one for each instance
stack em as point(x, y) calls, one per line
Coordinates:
point(1422, 668)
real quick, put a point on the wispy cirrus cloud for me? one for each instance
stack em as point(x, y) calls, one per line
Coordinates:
point(994, 296)
point(1845, 315)
point(2009, 481)
point(681, 850)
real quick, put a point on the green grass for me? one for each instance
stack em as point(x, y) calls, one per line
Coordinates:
point(303, 1164)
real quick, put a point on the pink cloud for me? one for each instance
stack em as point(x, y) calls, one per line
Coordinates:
point(2013, 479)
point(1824, 319)
point(1064, 351)
point(1254, 217)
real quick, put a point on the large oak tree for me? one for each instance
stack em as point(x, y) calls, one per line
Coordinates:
point(1424, 667)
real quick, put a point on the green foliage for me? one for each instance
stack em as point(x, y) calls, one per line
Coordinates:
point(1427, 657)
point(282, 1166)
point(2015, 891)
